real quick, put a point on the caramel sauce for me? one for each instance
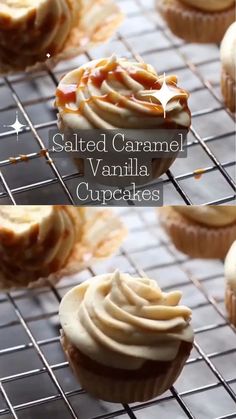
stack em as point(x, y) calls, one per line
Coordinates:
point(66, 94)
point(48, 23)
point(62, 19)
point(147, 82)
point(43, 152)
point(31, 19)
point(97, 76)
point(23, 157)
point(198, 173)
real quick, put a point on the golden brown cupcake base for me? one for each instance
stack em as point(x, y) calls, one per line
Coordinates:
point(193, 25)
point(194, 239)
point(125, 386)
point(228, 87)
point(230, 302)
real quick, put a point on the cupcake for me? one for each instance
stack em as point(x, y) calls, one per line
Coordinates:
point(200, 231)
point(31, 32)
point(228, 73)
point(230, 275)
point(39, 243)
point(200, 21)
point(125, 339)
point(113, 93)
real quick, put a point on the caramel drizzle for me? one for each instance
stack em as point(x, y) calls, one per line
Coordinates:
point(98, 75)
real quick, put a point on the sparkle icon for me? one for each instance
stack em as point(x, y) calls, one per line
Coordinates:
point(17, 126)
point(163, 95)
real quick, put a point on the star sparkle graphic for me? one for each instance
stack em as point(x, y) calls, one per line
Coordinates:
point(16, 126)
point(163, 95)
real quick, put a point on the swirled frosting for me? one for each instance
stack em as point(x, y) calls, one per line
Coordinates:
point(122, 321)
point(230, 267)
point(210, 5)
point(228, 51)
point(209, 215)
point(32, 29)
point(35, 241)
point(114, 93)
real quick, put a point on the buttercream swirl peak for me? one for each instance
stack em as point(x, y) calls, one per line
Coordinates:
point(122, 321)
point(116, 93)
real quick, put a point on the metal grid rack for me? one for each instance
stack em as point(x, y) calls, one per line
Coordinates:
point(36, 381)
point(207, 176)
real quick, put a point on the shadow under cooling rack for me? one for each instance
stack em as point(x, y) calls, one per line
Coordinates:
point(206, 176)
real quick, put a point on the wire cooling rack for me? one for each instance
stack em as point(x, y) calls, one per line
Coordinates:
point(36, 381)
point(207, 176)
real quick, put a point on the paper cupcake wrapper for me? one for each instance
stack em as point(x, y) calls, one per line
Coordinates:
point(118, 390)
point(193, 25)
point(230, 302)
point(228, 87)
point(102, 234)
point(196, 240)
point(98, 22)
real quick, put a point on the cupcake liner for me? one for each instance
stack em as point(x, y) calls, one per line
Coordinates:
point(101, 235)
point(97, 23)
point(193, 25)
point(194, 239)
point(228, 87)
point(230, 302)
point(123, 390)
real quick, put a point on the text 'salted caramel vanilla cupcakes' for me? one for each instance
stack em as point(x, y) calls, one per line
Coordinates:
point(200, 231)
point(230, 277)
point(114, 93)
point(228, 63)
point(125, 339)
point(35, 31)
point(200, 21)
point(39, 243)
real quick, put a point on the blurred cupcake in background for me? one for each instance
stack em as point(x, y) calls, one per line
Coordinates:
point(200, 231)
point(200, 21)
point(228, 73)
point(230, 275)
point(45, 243)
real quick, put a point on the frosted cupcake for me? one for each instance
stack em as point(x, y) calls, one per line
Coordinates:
point(125, 339)
point(33, 31)
point(228, 61)
point(113, 93)
point(201, 21)
point(39, 243)
point(230, 275)
point(200, 231)
point(35, 241)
